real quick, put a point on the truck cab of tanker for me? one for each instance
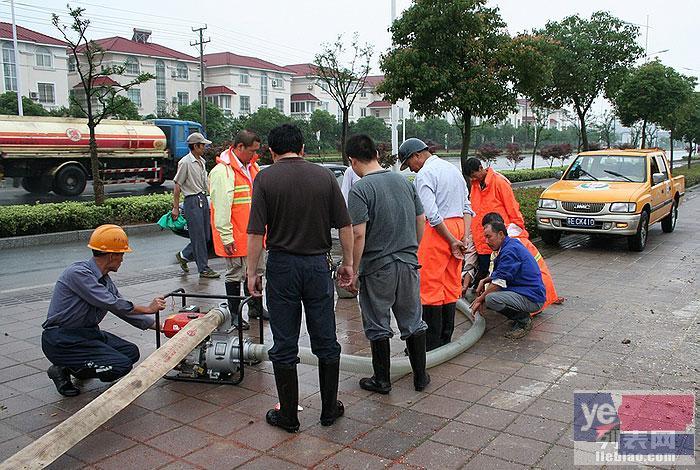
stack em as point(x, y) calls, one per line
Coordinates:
point(176, 133)
point(612, 192)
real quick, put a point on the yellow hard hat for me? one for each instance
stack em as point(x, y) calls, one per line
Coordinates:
point(109, 238)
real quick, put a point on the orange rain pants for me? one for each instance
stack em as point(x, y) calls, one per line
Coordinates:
point(441, 273)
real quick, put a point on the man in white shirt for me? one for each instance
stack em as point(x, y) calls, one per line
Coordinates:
point(448, 213)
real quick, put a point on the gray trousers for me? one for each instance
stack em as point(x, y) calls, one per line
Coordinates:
point(515, 306)
point(199, 226)
point(395, 287)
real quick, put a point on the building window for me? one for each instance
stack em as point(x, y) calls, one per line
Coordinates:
point(351, 113)
point(400, 114)
point(245, 104)
point(182, 71)
point(263, 90)
point(363, 112)
point(298, 107)
point(46, 93)
point(8, 67)
point(160, 87)
point(131, 66)
point(43, 57)
point(279, 104)
point(222, 101)
point(71, 64)
point(134, 94)
point(325, 105)
point(363, 93)
point(375, 112)
point(183, 98)
point(277, 82)
point(244, 78)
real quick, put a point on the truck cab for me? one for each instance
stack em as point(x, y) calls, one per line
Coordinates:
point(612, 192)
point(176, 133)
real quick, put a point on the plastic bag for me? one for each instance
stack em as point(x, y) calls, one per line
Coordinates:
point(175, 225)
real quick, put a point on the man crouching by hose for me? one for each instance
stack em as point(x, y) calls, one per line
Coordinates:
point(515, 288)
point(84, 293)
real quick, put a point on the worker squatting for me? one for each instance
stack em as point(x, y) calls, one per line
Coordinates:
point(408, 249)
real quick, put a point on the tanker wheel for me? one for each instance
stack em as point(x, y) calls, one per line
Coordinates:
point(36, 184)
point(70, 181)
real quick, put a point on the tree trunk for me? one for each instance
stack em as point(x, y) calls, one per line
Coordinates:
point(671, 139)
point(644, 134)
point(535, 144)
point(466, 131)
point(583, 137)
point(690, 152)
point(343, 135)
point(97, 183)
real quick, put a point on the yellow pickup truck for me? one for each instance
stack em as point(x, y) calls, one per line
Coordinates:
point(612, 192)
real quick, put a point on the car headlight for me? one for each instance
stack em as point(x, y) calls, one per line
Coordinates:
point(623, 207)
point(548, 204)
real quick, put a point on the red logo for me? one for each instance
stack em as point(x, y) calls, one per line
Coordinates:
point(73, 134)
point(192, 332)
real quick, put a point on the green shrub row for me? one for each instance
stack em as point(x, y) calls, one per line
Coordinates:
point(692, 174)
point(516, 176)
point(67, 216)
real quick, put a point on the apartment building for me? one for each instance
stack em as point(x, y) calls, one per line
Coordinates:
point(556, 119)
point(240, 85)
point(176, 74)
point(42, 66)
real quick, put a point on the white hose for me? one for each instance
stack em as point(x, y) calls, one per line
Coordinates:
point(399, 365)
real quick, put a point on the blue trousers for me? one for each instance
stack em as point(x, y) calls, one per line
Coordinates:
point(293, 281)
point(199, 226)
point(98, 353)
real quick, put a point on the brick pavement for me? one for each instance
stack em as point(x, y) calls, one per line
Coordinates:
point(502, 404)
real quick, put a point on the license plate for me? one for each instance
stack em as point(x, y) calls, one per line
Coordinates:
point(580, 222)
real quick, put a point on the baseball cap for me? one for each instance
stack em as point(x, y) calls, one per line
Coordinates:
point(408, 148)
point(197, 138)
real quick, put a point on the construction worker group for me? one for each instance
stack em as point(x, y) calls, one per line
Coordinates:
point(409, 249)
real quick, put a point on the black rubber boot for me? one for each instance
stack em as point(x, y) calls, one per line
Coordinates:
point(432, 316)
point(288, 393)
point(448, 323)
point(380, 382)
point(64, 384)
point(255, 306)
point(331, 407)
point(234, 288)
point(416, 355)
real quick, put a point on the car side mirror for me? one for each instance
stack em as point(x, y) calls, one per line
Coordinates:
point(657, 178)
point(558, 174)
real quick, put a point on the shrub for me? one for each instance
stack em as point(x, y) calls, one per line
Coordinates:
point(514, 155)
point(528, 198)
point(516, 176)
point(67, 216)
point(692, 174)
point(488, 153)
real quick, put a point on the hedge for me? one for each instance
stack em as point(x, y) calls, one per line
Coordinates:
point(517, 176)
point(67, 216)
point(692, 174)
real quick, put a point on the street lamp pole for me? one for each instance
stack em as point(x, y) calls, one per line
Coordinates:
point(394, 109)
point(18, 75)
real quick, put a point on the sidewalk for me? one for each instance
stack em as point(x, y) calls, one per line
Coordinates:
point(502, 404)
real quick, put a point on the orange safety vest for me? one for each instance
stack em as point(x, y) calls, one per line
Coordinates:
point(497, 196)
point(241, 189)
point(551, 292)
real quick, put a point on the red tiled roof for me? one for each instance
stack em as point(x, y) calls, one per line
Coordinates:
point(303, 97)
point(229, 58)
point(24, 34)
point(379, 104)
point(374, 80)
point(127, 46)
point(302, 70)
point(99, 81)
point(218, 90)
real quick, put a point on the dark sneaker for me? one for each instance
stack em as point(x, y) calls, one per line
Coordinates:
point(182, 261)
point(61, 378)
point(519, 330)
point(210, 274)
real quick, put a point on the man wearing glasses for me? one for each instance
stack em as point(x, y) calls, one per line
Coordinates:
point(191, 180)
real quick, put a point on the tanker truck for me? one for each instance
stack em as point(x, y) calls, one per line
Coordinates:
point(53, 154)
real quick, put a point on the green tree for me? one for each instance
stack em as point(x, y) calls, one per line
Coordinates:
point(653, 94)
point(343, 82)
point(451, 56)
point(324, 122)
point(264, 120)
point(373, 127)
point(8, 105)
point(99, 89)
point(219, 127)
point(606, 128)
point(590, 58)
point(688, 127)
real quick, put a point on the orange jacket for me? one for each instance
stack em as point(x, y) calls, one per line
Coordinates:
point(547, 280)
point(231, 193)
point(497, 196)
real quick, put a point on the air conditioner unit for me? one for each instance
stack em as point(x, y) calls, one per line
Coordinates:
point(310, 87)
point(33, 95)
point(276, 83)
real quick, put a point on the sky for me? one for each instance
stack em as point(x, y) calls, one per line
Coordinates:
point(292, 31)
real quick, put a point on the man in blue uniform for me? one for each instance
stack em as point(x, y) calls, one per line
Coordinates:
point(84, 293)
point(515, 288)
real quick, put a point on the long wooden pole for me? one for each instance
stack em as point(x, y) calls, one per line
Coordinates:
point(60, 439)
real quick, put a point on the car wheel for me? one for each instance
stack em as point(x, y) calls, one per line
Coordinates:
point(550, 237)
point(638, 241)
point(668, 223)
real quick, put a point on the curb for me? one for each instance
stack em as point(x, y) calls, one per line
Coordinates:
point(64, 237)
